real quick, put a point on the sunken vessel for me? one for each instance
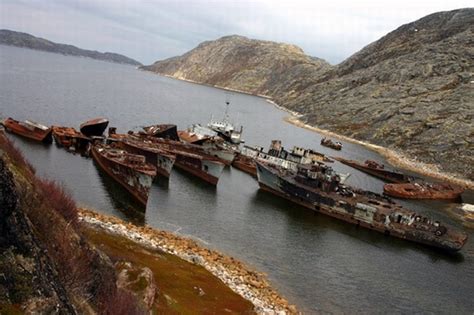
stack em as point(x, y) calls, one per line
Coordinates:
point(70, 139)
point(318, 188)
point(378, 170)
point(94, 127)
point(129, 170)
point(440, 191)
point(29, 129)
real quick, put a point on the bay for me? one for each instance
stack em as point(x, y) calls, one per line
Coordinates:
point(318, 263)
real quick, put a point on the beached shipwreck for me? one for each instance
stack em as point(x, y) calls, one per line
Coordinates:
point(319, 188)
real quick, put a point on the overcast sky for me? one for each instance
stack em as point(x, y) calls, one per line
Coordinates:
point(154, 30)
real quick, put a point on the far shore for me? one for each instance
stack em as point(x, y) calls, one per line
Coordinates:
point(394, 158)
point(210, 85)
point(251, 285)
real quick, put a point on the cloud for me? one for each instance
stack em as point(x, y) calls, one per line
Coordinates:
point(152, 30)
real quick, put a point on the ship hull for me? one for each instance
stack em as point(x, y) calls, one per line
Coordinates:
point(136, 183)
point(164, 131)
point(245, 164)
point(163, 162)
point(70, 139)
point(272, 183)
point(414, 191)
point(94, 127)
point(209, 171)
point(225, 156)
point(15, 127)
point(385, 175)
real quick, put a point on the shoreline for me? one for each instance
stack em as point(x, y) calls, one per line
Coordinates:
point(251, 285)
point(394, 158)
point(209, 85)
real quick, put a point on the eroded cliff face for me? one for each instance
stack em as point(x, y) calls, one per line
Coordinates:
point(410, 91)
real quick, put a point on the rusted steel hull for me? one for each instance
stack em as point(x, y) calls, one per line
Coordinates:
point(384, 216)
point(423, 191)
point(164, 131)
point(330, 144)
point(190, 158)
point(225, 156)
point(70, 138)
point(245, 164)
point(193, 159)
point(193, 138)
point(209, 171)
point(136, 182)
point(162, 160)
point(386, 175)
point(94, 127)
point(29, 130)
point(211, 146)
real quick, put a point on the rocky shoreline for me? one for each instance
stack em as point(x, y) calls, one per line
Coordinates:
point(251, 285)
point(394, 158)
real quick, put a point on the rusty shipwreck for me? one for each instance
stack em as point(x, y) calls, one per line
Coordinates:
point(70, 139)
point(191, 158)
point(276, 155)
point(331, 144)
point(318, 188)
point(423, 190)
point(378, 170)
point(165, 131)
point(94, 127)
point(29, 129)
point(129, 170)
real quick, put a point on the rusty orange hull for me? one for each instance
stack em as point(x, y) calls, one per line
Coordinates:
point(423, 191)
point(386, 175)
point(245, 164)
point(68, 137)
point(28, 131)
point(136, 183)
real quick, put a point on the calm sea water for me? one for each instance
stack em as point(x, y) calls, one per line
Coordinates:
point(318, 263)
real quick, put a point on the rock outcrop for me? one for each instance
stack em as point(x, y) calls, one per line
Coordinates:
point(25, 40)
point(411, 91)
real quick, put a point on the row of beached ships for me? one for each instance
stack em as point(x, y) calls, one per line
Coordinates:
point(303, 176)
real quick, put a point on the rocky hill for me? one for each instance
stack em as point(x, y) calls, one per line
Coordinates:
point(254, 66)
point(410, 91)
point(25, 40)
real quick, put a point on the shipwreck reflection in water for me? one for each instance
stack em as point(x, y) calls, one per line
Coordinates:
point(121, 200)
